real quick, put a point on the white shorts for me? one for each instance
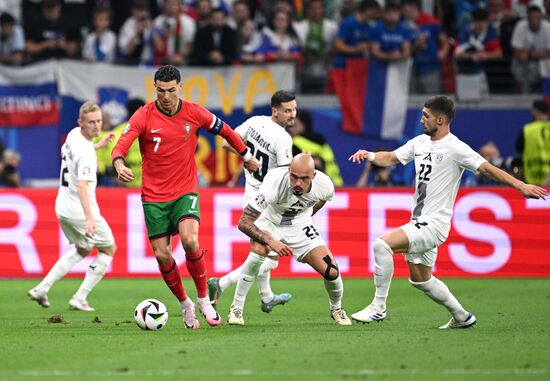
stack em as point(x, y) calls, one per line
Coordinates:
point(424, 238)
point(300, 238)
point(75, 231)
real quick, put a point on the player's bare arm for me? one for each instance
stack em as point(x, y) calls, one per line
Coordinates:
point(105, 140)
point(527, 190)
point(82, 190)
point(124, 173)
point(318, 206)
point(381, 159)
point(252, 165)
point(226, 146)
point(246, 225)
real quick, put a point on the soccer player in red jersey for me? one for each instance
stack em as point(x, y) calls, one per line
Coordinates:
point(168, 131)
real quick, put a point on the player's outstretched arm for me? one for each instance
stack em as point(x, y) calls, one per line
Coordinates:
point(246, 225)
point(105, 140)
point(527, 190)
point(318, 206)
point(381, 159)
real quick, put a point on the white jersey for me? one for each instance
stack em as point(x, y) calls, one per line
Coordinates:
point(281, 206)
point(269, 143)
point(78, 162)
point(439, 166)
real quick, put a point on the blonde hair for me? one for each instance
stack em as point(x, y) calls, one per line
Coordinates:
point(86, 108)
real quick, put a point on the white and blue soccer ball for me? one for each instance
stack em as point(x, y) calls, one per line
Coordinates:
point(151, 314)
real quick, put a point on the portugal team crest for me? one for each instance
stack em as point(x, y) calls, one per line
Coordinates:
point(187, 131)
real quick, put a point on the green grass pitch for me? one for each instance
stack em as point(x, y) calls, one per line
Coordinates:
point(297, 341)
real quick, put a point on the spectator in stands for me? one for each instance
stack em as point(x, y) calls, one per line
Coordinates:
point(280, 41)
point(391, 39)
point(531, 44)
point(464, 11)
point(9, 169)
point(203, 10)
point(354, 33)
point(478, 43)
point(316, 34)
point(249, 44)
point(51, 35)
point(305, 139)
point(12, 41)
point(173, 35)
point(135, 38)
point(533, 145)
point(216, 43)
point(100, 45)
point(240, 13)
point(430, 48)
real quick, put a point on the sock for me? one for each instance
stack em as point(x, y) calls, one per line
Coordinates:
point(186, 303)
point(60, 269)
point(250, 270)
point(94, 273)
point(439, 293)
point(230, 278)
point(196, 265)
point(233, 276)
point(264, 276)
point(335, 289)
point(383, 272)
point(266, 294)
point(172, 278)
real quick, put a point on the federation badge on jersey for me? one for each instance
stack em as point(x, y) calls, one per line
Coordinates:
point(187, 131)
point(260, 200)
point(126, 129)
point(439, 158)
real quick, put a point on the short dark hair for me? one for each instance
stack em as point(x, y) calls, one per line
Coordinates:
point(6, 18)
point(281, 96)
point(415, 3)
point(168, 73)
point(541, 105)
point(480, 14)
point(368, 4)
point(140, 4)
point(441, 104)
point(534, 8)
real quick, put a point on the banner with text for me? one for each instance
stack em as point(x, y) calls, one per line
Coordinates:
point(495, 232)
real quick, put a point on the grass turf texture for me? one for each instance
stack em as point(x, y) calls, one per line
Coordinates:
point(297, 341)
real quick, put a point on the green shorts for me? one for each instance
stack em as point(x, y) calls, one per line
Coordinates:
point(162, 218)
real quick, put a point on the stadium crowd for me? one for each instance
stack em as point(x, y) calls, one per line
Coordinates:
point(506, 43)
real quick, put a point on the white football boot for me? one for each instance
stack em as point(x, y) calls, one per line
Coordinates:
point(235, 316)
point(79, 304)
point(369, 314)
point(340, 317)
point(453, 323)
point(190, 320)
point(40, 296)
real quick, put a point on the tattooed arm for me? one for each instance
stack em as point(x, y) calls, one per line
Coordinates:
point(318, 206)
point(246, 225)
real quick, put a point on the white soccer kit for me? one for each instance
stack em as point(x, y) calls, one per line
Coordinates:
point(79, 162)
point(288, 216)
point(269, 143)
point(439, 166)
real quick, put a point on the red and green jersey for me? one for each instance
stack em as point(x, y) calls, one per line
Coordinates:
point(167, 144)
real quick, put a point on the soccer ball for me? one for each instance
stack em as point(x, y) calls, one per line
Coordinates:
point(151, 314)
